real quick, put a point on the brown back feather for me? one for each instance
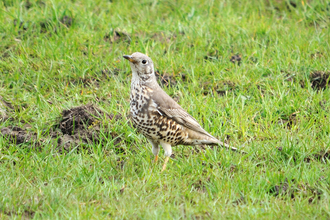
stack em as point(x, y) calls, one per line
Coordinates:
point(167, 106)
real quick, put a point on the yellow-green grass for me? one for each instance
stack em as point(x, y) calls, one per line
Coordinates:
point(264, 104)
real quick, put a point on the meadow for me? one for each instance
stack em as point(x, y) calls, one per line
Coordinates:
point(255, 74)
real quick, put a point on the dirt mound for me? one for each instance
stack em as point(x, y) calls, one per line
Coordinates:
point(17, 135)
point(319, 80)
point(83, 125)
point(80, 118)
point(78, 126)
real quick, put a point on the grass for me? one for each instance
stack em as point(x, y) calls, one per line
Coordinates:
point(55, 55)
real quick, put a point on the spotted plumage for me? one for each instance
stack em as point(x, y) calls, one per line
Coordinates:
point(157, 116)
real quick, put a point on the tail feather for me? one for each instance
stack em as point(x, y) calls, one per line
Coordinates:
point(197, 138)
point(217, 142)
point(229, 147)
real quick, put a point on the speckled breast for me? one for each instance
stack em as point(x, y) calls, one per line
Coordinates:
point(150, 122)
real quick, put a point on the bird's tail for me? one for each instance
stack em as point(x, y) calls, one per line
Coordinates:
point(230, 148)
point(222, 144)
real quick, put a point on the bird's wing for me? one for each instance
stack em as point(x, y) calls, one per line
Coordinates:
point(167, 106)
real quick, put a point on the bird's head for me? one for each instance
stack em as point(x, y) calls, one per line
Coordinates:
point(142, 66)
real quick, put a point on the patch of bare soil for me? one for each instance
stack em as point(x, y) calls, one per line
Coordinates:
point(87, 81)
point(288, 122)
point(239, 201)
point(200, 185)
point(17, 135)
point(282, 189)
point(316, 55)
point(237, 58)
point(28, 4)
point(78, 126)
point(67, 21)
point(95, 80)
point(282, 5)
point(167, 80)
point(294, 189)
point(106, 73)
point(319, 80)
point(26, 214)
point(117, 36)
point(5, 53)
point(48, 25)
point(323, 156)
point(221, 88)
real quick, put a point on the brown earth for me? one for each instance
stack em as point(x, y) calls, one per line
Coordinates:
point(77, 126)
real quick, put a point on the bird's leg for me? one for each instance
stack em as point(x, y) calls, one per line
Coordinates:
point(155, 149)
point(165, 162)
point(168, 151)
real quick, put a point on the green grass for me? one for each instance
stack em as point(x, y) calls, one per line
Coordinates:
point(45, 58)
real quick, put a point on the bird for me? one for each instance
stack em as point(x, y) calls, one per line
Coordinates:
point(157, 116)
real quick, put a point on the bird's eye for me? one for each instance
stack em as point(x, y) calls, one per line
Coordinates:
point(144, 61)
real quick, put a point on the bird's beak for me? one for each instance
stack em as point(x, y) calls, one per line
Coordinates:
point(129, 58)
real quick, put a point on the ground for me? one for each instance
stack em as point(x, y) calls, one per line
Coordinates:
point(255, 74)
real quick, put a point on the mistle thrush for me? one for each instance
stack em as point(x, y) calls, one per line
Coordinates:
point(157, 116)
